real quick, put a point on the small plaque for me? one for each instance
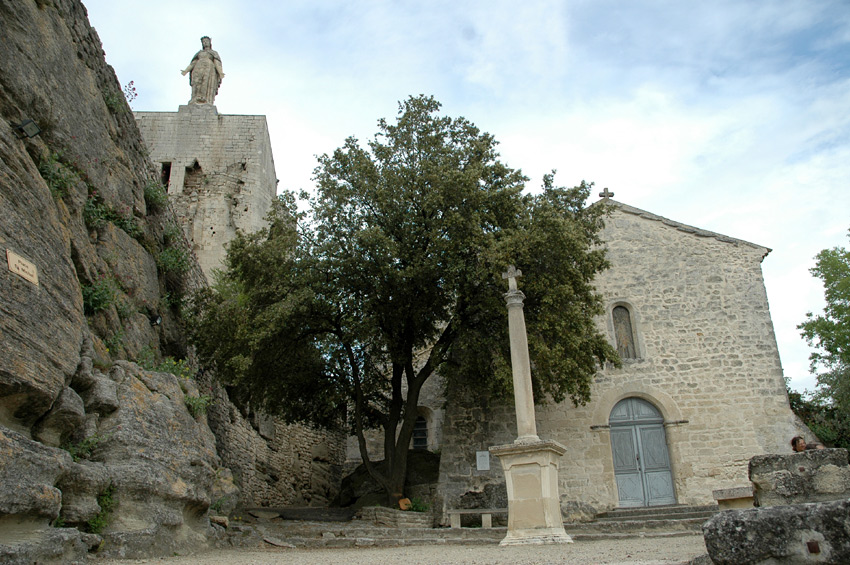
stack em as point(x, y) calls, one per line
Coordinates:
point(482, 458)
point(22, 267)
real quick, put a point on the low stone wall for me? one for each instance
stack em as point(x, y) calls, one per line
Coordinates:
point(811, 476)
point(391, 518)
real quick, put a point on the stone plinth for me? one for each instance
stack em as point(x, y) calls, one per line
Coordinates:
point(531, 477)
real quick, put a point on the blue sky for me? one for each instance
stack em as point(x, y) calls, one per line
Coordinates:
point(732, 116)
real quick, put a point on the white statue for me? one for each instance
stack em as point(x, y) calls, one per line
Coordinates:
point(206, 73)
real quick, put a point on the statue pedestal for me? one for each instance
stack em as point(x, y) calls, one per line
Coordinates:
point(534, 508)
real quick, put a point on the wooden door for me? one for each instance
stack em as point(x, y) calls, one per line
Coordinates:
point(639, 449)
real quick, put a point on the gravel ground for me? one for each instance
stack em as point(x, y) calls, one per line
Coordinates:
point(644, 551)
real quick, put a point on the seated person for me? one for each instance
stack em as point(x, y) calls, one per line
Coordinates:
point(799, 444)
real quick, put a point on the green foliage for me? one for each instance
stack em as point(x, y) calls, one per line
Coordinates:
point(60, 178)
point(400, 258)
point(96, 213)
point(173, 260)
point(417, 505)
point(829, 334)
point(115, 341)
point(107, 503)
point(84, 448)
point(58, 522)
point(197, 405)
point(98, 295)
point(115, 101)
point(177, 367)
point(156, 198)
point(218, 504)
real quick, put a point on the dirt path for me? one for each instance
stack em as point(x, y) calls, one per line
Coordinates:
point(644, 551)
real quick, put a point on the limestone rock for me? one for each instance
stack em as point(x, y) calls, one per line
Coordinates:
point(809, 476)
point(224, 496)
point(65, 417)
point(81, 483)
point(799, 533)
point(28, 471)
point(101, 397)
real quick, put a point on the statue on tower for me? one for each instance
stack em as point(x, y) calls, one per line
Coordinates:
point(206, 73)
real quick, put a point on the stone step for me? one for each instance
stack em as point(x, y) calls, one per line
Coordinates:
point(677, 516)
point(640, 526)
point(650, 511)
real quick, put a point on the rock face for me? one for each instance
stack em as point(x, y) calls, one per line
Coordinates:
point(81, 283)
point(800, 533)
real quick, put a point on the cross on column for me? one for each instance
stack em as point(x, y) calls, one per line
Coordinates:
point(606, 194)
point(512, 275)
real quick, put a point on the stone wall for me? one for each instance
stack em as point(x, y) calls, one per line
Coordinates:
point(277, 464)
point(219, 171)
point(706, 359)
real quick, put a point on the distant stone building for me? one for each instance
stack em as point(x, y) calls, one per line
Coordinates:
point(700, 392)
point(219, 171)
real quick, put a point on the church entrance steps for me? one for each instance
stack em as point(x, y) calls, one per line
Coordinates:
point(637, 521)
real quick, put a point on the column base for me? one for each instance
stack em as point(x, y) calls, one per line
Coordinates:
point(531, 478)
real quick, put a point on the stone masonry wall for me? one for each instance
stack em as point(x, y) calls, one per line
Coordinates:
point(273, 463)
point(219, 170)
point(707, 359)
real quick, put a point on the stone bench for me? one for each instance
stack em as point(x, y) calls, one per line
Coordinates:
point(737, 497)
point(486, 515)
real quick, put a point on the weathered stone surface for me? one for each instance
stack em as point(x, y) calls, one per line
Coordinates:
point(66, 415)
point(41, 545)
point(222, 176)
point(809, 476)
point(802, 533)
point(28, 471)
point(81, 483)
point(101, 397)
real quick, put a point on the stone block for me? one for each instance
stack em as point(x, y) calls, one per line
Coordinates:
point(811, 476)
point(801, 533)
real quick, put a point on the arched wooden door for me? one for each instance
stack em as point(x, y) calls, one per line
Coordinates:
point(639, 448)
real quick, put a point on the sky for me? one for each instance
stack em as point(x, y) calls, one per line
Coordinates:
point(731, 116)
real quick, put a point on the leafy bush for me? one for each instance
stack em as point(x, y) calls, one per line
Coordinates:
point(197, 405)
point(156, 197)
point(417, 505)
point(97, 524)
point(96, 213)
point(59, 177)
point(177, 367)
point(84, 448)
point(173, 260)
point(98, 295)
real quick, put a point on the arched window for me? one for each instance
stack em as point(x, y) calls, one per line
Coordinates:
point(624, 333)
point(420, 433)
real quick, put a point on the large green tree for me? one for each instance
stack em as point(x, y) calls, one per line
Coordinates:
point(829, 334)
point(343, 313)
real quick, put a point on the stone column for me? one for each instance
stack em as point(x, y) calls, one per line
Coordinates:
point(530, 465)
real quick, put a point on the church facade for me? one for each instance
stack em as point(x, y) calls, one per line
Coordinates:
point(700, 392)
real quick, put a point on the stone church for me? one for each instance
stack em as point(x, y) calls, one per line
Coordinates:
point(700, 392)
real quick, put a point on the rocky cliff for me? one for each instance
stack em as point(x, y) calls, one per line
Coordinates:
point(95, 451)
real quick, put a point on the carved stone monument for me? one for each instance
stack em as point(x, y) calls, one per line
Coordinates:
point(205, 73)
point(530, 464)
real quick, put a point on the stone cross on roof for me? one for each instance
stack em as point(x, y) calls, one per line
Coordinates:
point(606, 194)
point(512, 275)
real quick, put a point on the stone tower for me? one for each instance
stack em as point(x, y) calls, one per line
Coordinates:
point(219, 172)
